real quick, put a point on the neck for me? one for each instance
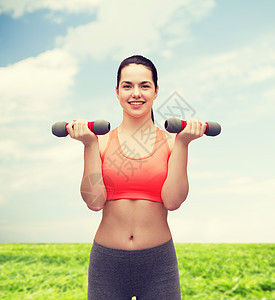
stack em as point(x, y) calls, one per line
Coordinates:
point(130, 125)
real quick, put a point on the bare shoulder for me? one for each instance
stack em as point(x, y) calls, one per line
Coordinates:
point(103, 141)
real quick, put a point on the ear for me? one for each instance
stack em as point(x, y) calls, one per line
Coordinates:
point(156, 92)
point(116, 91)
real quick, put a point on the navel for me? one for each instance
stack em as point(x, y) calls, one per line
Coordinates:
point(131, 237)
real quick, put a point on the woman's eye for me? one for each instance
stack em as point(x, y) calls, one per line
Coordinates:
point(146, 86)
point(126, 86)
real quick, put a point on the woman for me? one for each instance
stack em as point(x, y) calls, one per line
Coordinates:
point(135, 183)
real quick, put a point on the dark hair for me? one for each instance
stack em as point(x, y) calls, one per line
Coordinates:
point(139, 60)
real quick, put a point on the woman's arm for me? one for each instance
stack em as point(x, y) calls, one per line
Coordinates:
point(175, 188)
point(92, 187)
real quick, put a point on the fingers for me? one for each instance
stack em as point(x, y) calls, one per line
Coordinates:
point(70, 129)
point(193, 130)
point(77, 128)
point(195, 127)
point(82, 127)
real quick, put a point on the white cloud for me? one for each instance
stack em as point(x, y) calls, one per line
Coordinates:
point(17, 8)
point(34, 86)
point(244, 228)
point(60, 169)
point(2, 201)
point(260, 74)
point(34, 160)
point(232, 209)
point(81, 226)
point(32, 92)
point(122, 29)
point(251, 64)
point(208, 175)
point(237, 82)
point(266, 103)
point(243, 188)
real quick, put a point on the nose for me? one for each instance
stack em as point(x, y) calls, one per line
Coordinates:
point(136, 92)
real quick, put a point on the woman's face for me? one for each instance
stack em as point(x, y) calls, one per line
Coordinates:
point(136, 91)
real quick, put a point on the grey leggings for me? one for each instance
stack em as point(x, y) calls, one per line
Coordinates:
point(121, 274)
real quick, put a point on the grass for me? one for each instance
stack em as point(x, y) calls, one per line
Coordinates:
point(207, 271)
point(226, 271)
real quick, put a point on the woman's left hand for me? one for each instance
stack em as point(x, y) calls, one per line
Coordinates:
point(193, 130)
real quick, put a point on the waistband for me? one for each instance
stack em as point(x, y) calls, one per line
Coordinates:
point(157, 250)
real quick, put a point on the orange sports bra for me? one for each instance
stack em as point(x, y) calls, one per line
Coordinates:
point(127, 176)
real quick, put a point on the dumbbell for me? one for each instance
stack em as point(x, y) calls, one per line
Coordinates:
point(98, 127)
point(174, 125)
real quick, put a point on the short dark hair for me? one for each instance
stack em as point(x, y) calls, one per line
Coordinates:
point(139, 60)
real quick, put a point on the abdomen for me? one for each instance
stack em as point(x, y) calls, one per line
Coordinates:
point(133, 224)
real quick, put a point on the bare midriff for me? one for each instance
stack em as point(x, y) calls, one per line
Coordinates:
point(133, 224)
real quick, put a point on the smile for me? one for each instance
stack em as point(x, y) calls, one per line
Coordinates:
point(136, 103)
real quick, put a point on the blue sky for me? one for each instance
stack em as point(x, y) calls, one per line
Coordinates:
point(58, 62)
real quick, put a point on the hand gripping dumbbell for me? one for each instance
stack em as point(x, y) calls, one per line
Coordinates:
point(98, 127)
point(174, 125)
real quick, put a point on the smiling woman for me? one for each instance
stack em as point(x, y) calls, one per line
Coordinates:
point(133, 252)
point(225, 74)
point(135, 62)
point(140, 95)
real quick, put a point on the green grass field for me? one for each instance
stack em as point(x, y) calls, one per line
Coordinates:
point(207, 271)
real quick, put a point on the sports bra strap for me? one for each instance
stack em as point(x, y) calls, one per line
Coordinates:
point(110, 138)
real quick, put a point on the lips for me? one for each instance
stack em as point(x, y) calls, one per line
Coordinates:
point(136, 103)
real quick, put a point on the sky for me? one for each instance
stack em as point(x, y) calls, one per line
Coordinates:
point(215, 61)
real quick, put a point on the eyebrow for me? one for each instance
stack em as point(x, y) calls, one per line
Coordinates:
point(143, 82)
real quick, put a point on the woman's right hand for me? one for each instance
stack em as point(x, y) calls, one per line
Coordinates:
point(79, 130)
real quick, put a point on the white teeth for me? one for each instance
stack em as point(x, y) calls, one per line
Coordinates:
point(136, 103)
